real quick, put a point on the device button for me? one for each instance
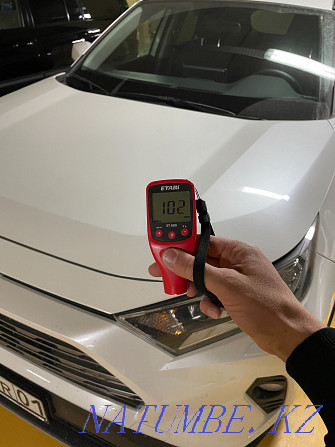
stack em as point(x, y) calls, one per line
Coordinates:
point(184, 232)
point(159, 233)
point(171, 235)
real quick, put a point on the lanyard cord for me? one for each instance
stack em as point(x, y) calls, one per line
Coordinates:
point(201, 256)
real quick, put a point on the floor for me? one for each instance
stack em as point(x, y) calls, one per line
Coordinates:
point(15, 432)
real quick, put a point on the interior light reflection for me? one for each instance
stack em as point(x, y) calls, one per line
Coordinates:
point(310, 233)
point(300, 62)
point(37, 375)
point(264, 193)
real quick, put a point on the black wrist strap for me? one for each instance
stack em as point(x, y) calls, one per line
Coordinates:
point(201, 256)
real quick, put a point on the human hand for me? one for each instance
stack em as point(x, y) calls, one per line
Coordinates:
point(252, 292)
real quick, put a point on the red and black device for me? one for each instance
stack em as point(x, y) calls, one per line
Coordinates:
point(171, 220)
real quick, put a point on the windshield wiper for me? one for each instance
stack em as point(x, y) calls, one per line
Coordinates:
point(93, 87)
point(175, 102)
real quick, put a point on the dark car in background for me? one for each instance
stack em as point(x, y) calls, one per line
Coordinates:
point(36, 35)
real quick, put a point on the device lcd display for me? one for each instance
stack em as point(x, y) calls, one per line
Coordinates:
point(170, 207)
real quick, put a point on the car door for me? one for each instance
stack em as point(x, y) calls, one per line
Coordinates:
point(54, 33)
point(19, 56)
point(59, 23)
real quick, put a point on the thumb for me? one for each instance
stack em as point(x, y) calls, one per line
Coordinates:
point(179, 262)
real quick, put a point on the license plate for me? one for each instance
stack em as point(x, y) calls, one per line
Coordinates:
point(23, 399)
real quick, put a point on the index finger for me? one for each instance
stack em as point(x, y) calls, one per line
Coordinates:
point(154, 270)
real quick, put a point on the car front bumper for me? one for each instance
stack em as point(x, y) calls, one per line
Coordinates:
point(219, 374)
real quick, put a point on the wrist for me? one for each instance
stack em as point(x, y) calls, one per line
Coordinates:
point(295, 333)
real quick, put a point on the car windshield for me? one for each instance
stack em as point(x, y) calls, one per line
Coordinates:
point(243, 59)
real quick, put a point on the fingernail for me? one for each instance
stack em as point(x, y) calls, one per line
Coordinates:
point(212, 312)
point(169, 257)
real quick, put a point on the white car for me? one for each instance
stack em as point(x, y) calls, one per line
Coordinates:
point(235, 96)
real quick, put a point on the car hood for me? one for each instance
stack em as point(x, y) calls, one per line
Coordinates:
point(74, 167)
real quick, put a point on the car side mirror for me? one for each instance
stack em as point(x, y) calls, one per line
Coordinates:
point(79, 48)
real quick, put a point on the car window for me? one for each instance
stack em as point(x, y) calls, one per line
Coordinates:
point(10, 16)
point(253, 60)
point(140, 41)
point(48, 12)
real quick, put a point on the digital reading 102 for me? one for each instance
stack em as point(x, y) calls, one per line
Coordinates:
point(171, 207)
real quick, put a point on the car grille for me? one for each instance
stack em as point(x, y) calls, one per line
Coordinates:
point(65, 361)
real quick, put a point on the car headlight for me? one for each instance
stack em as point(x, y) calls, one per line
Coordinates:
point(296, 267)
point(179, 327)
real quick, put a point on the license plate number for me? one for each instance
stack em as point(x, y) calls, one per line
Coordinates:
point(23, 399)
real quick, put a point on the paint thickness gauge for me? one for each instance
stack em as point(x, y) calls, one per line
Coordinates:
point(171, 220)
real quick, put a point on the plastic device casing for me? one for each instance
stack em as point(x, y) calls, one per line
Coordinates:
point(173, 284)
